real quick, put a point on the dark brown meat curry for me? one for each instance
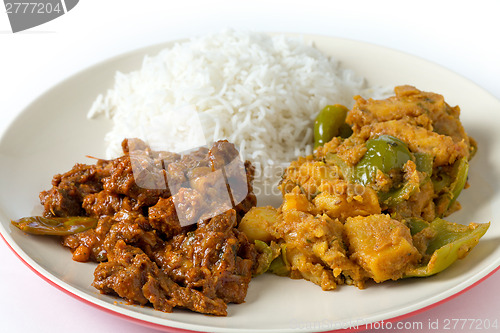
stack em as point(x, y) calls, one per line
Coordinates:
point(146, 254)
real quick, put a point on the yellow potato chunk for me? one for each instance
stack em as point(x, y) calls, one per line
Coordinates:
point(381, 245)
point(339, 201)
point(296, 200)
point(257, 222)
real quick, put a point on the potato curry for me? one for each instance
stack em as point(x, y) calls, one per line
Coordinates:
point(369, 203)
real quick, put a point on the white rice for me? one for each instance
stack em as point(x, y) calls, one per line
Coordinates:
point(260, 92)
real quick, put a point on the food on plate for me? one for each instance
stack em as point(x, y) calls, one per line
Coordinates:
point(183, 230)
point(161, 225)
point(371, 205)
point(258, 91)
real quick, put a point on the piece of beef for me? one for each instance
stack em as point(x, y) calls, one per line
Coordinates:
point(163, 217)
point(69, 189)
point(94, 244)
point(130, 274)
point(215, 258)
point(137, 177)
point(88, 245)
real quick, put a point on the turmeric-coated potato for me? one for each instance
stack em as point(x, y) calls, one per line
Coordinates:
point(381, 245)
point(257, 222)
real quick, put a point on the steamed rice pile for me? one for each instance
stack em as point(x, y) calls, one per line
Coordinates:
point(258, 91)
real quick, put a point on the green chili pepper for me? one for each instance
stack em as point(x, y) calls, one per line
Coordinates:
point(280, 265)
point(383, 153)
point(55, 226)
point(451, 242)
point(268, 254)
point(328, 124)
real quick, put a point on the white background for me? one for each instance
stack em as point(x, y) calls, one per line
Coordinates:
point(463, 36)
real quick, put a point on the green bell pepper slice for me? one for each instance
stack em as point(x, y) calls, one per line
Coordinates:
point(346, 170)
point(460, 173)
point(330, 123)
point(55, 226)
point(272, 259)
point(416, 224)
point(280, 266)
point(451, 242)
point(451, 184)
point(383, 153)
point(345, 131)
point(396, 196)
point(386, 153)
point(441, 181)
point(268, 254)
point(424, 163)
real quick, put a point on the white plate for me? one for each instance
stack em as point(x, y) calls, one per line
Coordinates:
point(53, 133)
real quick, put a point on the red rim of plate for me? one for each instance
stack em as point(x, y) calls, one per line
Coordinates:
point(181, 330)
